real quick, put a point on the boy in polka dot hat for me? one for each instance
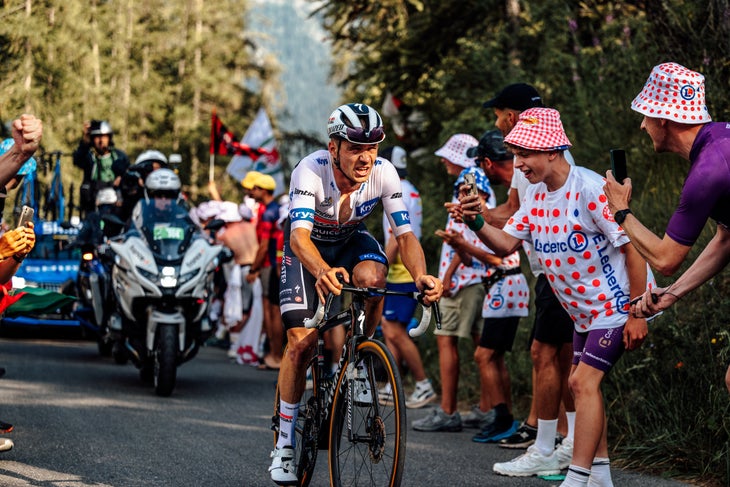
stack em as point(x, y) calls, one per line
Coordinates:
point(590, 264)
point(676, 119)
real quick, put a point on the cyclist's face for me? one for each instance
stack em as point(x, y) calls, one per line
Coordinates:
point(356, 160)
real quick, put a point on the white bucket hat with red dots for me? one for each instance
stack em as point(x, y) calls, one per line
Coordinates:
point(539, 129)
point(675, 93)
point(454, 150)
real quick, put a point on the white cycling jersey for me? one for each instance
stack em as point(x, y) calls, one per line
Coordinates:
point(314, 199)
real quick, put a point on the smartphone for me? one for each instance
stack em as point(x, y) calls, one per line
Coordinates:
point(471, 180)
point(26, 215)
point(618, 165)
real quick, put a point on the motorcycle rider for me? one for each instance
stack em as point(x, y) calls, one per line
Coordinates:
point(95, 227)
point(133, 182)
point(102, 163)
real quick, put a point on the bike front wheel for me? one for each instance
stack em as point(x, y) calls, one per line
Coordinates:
point(368, 428)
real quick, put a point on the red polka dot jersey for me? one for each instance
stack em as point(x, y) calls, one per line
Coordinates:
point(578, 244)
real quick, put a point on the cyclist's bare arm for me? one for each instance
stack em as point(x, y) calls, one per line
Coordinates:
point(305, 250)
point(413, 258)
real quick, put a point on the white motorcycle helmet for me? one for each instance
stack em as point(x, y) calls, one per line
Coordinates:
point(162, 183)
point(152, 156)
point(106, 196)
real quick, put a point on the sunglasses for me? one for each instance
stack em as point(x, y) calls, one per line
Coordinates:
point(361, 136)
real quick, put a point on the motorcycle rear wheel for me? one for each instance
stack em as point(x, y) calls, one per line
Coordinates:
point(166, 360)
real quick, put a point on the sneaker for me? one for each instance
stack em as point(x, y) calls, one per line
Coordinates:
point(564, 453)
point(522, 438)
point(530, 463)
point(496, 431)
point(385, 396)
point(363, 394)
point(438, 420)
point(5, 427)
point(283, 467)
point(479, 419)
point(422, 395)
point(6, 444)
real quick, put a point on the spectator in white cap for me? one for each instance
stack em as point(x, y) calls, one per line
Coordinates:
point(461, 304)
point(594, 271)
point(676, 119)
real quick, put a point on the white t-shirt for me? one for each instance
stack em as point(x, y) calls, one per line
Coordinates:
point(510, 296)
point(578, 245)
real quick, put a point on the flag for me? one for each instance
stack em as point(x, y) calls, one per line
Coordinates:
point(268, 160)
point(33, 301)
point(223, 141)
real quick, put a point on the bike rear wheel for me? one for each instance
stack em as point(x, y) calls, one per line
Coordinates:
point(370, 447)
point(306, 431)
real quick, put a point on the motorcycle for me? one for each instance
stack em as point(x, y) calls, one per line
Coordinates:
point(162, 281)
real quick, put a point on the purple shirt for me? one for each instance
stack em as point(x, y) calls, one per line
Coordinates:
point(706, 191)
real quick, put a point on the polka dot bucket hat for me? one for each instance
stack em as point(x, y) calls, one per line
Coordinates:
point(675, 93)
point(454, 150)
point(539, 129)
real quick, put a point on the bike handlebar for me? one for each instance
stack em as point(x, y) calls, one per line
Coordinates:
point(428, 310)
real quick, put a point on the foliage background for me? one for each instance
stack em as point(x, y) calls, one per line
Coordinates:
point(155, 70)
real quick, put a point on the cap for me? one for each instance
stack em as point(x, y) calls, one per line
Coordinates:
point(454, 150)
point(675, 93)
point(207, 210)
point(245, 211)
point(248, 181)
point(518, 96)
point(264, 181)
point(491, 145)
point(229, 212)
point(539, 129)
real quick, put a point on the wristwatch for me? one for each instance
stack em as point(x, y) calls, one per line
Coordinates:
point(621, 215)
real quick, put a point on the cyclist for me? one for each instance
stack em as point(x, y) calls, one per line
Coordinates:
point(332, 191)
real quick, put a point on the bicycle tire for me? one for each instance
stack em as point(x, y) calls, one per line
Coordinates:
point(378, 458)
point(306, 430)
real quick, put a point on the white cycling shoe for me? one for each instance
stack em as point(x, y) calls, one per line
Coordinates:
point(283, 467)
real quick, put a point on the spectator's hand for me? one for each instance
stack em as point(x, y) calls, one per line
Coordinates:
point(471, 206)
point(327, 282)
point(251, 277)
point(86, 136)
point(431, 286)
point(454, 210)
point(635, 332)
point(19, 241)
point(653, 301)
point(27, 133)
point(619, 195)
point(455, 239)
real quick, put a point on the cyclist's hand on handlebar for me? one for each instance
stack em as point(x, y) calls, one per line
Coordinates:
point(431, 287)
point(328, 282)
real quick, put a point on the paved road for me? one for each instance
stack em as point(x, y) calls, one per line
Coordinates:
point(83, 421)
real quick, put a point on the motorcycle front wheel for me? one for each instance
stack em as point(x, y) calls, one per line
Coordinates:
point(166, 359)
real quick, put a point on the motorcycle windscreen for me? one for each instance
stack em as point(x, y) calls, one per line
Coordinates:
point(167, 227)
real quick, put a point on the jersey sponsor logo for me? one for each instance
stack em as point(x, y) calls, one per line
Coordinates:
point(327, 202)
point(550, 247)
point(607, 339)
point(395, 196)
point(372, 256)
point(303, 192)
point(609, 274)
point(322, 161)
point(496, 302)
point(577, 241)
point(401, 218)
point(298, 214)
point(366, 208)
point(607, 215)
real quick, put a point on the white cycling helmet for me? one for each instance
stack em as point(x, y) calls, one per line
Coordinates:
point(106, 196)
point(357, 123)
point(162, 183)
point(151, 156)
point(100, 127)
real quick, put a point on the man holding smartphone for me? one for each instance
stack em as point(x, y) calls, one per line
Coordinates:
point(683, 127)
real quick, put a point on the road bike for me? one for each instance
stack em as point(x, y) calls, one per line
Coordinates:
point(358, 413)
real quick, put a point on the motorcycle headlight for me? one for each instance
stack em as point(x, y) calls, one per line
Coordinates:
point(169, 277)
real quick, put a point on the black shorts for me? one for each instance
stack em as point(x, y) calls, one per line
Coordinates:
point(499, 333)
point(297, 295)
point(552, 323)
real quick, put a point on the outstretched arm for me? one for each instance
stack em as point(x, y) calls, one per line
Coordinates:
point(27, 131)
point(663, 254)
